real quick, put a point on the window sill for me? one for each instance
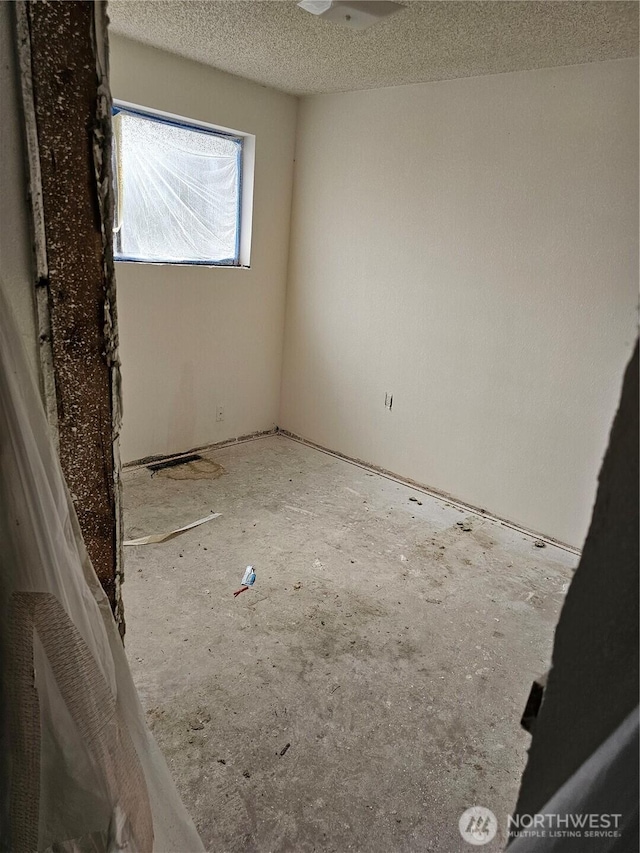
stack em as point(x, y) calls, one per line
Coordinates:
point(205, 265)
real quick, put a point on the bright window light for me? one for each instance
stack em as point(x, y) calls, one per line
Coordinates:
point(178, 191)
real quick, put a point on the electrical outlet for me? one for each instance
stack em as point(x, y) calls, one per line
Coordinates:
point(220, 413)
point(388, 400)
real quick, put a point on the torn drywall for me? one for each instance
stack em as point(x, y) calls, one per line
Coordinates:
point(63, 52)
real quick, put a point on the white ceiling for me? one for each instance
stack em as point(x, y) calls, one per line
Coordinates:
point(275, 43)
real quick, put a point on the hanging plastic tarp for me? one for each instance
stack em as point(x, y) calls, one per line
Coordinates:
point(80, 769)
point(177, 191)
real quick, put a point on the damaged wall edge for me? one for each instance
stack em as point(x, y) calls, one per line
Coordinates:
point(103, 162)
point(63, 64)
point(36, 205)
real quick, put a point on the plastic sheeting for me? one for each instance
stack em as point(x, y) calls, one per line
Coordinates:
point(178, 192)
point(80, 770)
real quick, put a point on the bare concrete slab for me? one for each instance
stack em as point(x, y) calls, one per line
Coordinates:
point(369, 688)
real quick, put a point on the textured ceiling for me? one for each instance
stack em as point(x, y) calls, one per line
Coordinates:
point(275, 43)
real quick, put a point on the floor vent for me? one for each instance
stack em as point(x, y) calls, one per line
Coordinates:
point(173, 463)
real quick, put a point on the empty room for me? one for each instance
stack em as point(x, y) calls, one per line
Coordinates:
point(332, 339)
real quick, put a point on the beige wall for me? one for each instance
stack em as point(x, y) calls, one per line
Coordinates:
point(16, 268)
point(194, 338)
point(470, 246)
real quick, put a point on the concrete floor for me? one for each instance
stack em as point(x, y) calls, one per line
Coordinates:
point(390, 648)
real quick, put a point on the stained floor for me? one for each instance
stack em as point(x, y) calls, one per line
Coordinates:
point(368, 689)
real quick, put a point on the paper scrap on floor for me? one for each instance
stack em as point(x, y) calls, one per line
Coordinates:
point(155, 538)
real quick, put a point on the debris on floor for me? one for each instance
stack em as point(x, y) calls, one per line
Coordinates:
point(197, 724)
point(238, 591)
point(285, 748)
point(360, 690)
point(540, 544)
point(156, 538)
point(464, 525)
point(415, 500)
point(248, 580)
point(297, 585)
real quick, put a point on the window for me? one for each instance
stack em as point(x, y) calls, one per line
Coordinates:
point(178, 191)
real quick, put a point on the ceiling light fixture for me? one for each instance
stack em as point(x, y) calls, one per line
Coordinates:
point(316, 7)
point(357, 14)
